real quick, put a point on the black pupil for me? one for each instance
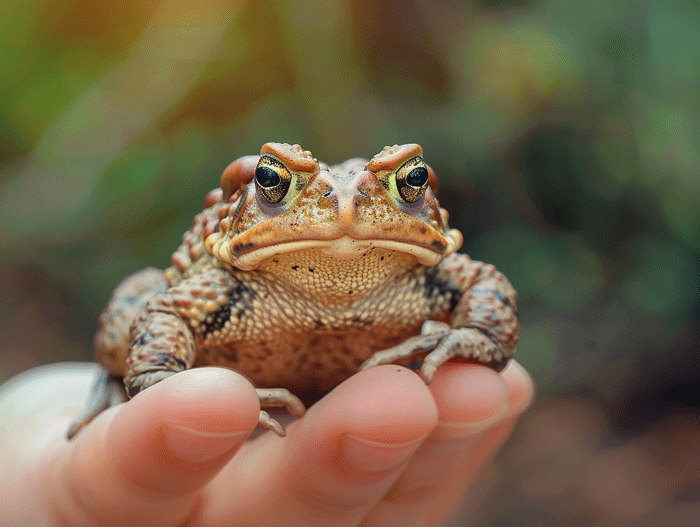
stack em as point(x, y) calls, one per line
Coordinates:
point(266, 177)
point(417, 177)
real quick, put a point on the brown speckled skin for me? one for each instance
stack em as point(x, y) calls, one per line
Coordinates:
point(298, 294)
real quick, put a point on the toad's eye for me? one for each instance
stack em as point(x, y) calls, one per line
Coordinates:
point(266, 177)
point(417, 177)
point(272, 179)
point(412, 179)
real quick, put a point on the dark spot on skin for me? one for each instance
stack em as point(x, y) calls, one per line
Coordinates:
point(239, 203)
point(241, 248)
point(217, 320)
point(170, 361)
point(357, 321)
point(295, 267)
point(239, 302)
point(422, 229)
point(336, 360)
point(415, 365)
point(317, 365)
point(311, 270)
point(345, 351)
point(437, 289)
point(382, 258)
point(132, 300)
point(498, 294)
point(438, 246)
point(143, 339)
point(230, 354)
point(506, 301)
point(315, 340)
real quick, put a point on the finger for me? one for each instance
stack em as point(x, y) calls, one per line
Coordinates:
point(477, 408)
point(143, 462)
point(337, 461)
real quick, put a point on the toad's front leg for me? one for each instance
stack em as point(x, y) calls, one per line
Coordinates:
point(483, 324)
point(163, 343)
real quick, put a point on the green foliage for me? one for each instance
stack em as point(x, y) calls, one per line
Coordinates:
point(564, 134)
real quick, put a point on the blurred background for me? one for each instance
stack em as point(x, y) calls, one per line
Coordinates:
point(566, 137)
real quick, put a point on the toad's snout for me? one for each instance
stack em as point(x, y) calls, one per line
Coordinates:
point(349, 199)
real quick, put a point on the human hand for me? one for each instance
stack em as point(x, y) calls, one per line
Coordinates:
point(381, 449)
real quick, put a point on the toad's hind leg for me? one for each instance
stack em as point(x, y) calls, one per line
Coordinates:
point(107, 391)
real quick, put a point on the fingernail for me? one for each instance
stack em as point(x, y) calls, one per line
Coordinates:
point(195, 446)
point(365, 455)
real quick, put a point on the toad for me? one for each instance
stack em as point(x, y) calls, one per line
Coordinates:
point(298, 274)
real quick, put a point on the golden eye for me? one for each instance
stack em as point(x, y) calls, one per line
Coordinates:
point(412, 179)
point(272, 179)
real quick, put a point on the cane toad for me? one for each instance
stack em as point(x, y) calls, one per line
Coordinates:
point(297, 274)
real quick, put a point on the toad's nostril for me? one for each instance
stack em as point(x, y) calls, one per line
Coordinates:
point(360, 197)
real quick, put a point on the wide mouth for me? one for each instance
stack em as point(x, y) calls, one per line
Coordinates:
point(343, 248)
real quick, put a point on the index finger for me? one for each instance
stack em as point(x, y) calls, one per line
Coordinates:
point(143, 463)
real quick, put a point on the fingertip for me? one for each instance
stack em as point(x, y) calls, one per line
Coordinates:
point(469, 397)
point(521, 387)
point(207, 399)
point(188, 420)
point(387, 403)
point(374, 421)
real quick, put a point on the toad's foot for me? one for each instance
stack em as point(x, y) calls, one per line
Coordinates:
point(107, 391)
point(269, 398)
point(441, 343)
point(145, 380)
point(278, 398)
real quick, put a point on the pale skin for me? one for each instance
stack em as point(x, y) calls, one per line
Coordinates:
point(382, 449)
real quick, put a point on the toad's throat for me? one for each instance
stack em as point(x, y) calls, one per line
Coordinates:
point(343, 248)
point(338, 281)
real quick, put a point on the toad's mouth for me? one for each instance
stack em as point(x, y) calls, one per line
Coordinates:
point(345, 248)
